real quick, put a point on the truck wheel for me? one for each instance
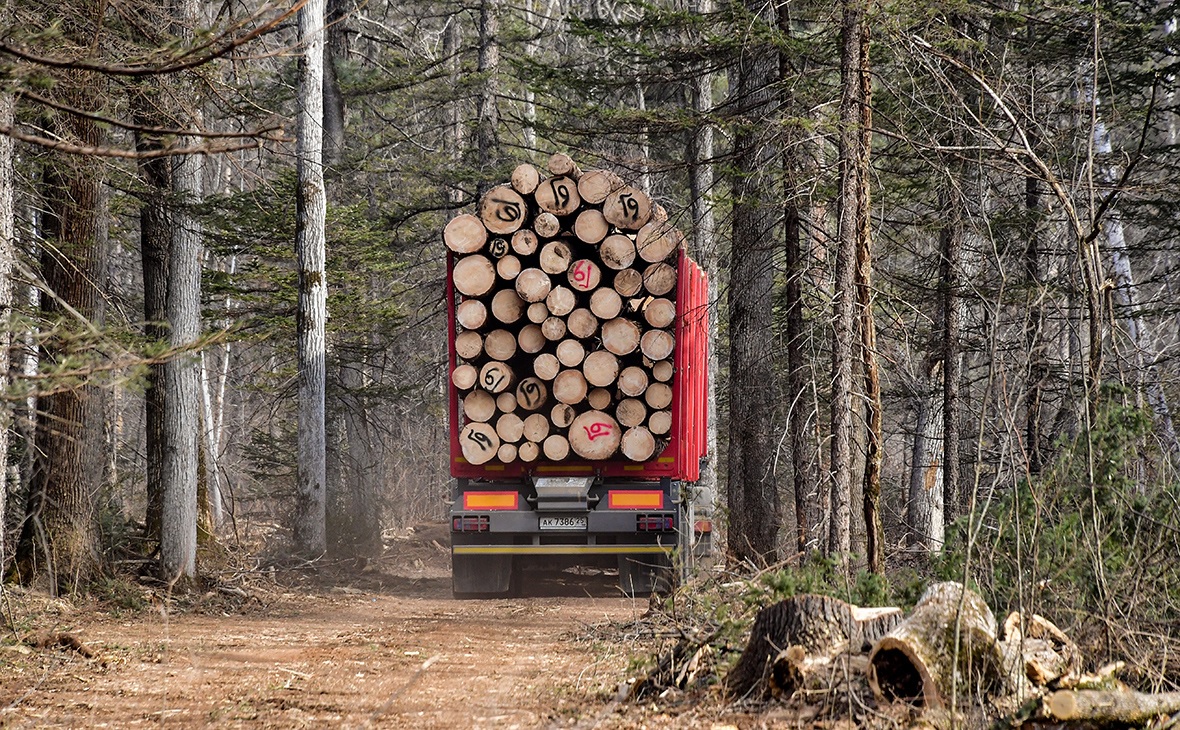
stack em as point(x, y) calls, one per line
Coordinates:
point(484, 576)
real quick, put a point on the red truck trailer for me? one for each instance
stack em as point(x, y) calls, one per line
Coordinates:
point(638, 516)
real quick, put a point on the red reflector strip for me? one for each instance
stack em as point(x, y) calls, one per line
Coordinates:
point(634, 499)
point(491, 500)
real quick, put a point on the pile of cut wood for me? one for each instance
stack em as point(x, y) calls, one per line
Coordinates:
point(565, 317)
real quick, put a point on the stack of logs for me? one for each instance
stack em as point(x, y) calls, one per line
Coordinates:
point(565, 318)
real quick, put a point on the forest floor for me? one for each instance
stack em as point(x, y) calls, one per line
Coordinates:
point(385, 646)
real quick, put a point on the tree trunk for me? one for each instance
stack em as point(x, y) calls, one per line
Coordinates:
point(752, 491)
point(335, 54)
point(925, 507)
point(7, 256)
point(488, 118)
point(309, 527)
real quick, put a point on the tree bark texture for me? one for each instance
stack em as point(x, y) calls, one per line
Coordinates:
point(752, 490)
point(925, 509)
point(335, 55)
point(950, 277)
point(7, 256)
point(311, 210)
point(488, 118)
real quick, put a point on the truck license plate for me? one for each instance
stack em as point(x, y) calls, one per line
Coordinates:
point(563, 523)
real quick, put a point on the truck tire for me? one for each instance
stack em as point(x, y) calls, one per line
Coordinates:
point(484, 576)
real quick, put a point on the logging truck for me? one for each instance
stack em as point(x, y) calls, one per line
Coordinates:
point(578, 335)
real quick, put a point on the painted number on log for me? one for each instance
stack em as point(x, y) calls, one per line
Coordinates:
point(561, 193)
point(582, 273)
point(507, 210)
point(479, 439)
point(630, 206)
point(492, 378)
point(594, 430)
point(498, 247)
point(530, 394)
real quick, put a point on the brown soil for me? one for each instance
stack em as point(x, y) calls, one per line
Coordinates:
point(383, 647)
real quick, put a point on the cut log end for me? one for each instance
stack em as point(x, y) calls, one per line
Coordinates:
point(502, 210)
point(465, 234)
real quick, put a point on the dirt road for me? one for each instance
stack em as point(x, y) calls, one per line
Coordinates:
point(394, 651)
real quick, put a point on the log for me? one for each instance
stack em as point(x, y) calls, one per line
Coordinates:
point(633, 381)
point(506, 453)
point(556, 257)
point(1043, 651)
point(561, 301)
point(558, 195)
point(500, 345)
point(465, 234)
point(556, 447)
point(662, 371)
point(599, 399)
point(914, 662)
point(533, 285)
point(637, 444)
point(525, 179)
point(530, 339)
point(562, 165)
point(537, 312)
point(659, 279)
point(584, 275)
point(562, 415)
point(502, 210)
point(474, 275)
point(507, 306)
point(464, 376)
point(617, 252)
point(496, 377)
point(657, 240)
point(509, 427)
point(524, 242)
point(546, 225)
point(469, 345)
point(498, 248)
point(471, 314)
point(570, 387)
point(601, 368)
point(506, 403)
point(620, 336)
point(508, 267)
point(582, 323)
point(1108, 708)
point(479, 442)
point(531, 394)
point(627, 208)
point(660, 422)
point(657, 344)
point(628, 282)
point(479, 406)
point(631, 412)
point(591, 226)
point(553, 328)
point(820, 625)
point(658, 396)
point(546, 366)
point(606, 303)
point(536, 427)
point(528, 451)
point(595, 435)
point(571, 353)
point(659, 312)
point(595, 185)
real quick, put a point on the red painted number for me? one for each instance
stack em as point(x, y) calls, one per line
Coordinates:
point(595, 430)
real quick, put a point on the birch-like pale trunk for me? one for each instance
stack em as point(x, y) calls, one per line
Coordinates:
point(925, 507)
point(311, 316)
point(7, 256)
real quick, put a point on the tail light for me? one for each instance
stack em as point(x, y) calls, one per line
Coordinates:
point(470, 523)
point(654, 523)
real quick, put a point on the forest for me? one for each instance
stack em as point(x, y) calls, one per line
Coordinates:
point(942, 241)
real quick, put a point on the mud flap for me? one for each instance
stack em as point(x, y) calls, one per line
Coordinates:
point(482, 576)
point(642, 575)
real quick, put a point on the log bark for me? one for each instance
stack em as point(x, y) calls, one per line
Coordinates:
point(530, 339)
point(582, 323)
point(914, 662)
point(599, 399)
point(561, 301)
point(562, 415)
point(657, 344)
point(479, 443)
point(502, 210)
point(633, 381)
point(469, 345)
point(660, 422)
point(656, 241)
point(554, 328)
point(499, 345)
point(524, 242)
point(601, 368)
point(590, 226)
point(507, 306)
point(606, 303)
point(556, 257)
point(496, 377)
point(637, 444)
point(556, 447)
point(479, 406)
point(531, 394)
point(464, 376)
point(570, 387)
point(595, 435)
point(659, 313)
point(546, 366)
point(558, 195)
point(584, 275)
point(595, 185)
point(631, 412)
point(525, 179)
point(659, 279)
point(536, 427)
point(627, 208)
point(1044, 652)
point(465, 234)
point(658, 396)
point(471, 314)
point(533, 285)
point(628, 282)
point(620, 336)
point(546, 225)
point(571, 353)
point(474, 275)
point(508, 267)
point(617, 252)
point(509, 427)
point(528, 452)
point(1107, 708)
